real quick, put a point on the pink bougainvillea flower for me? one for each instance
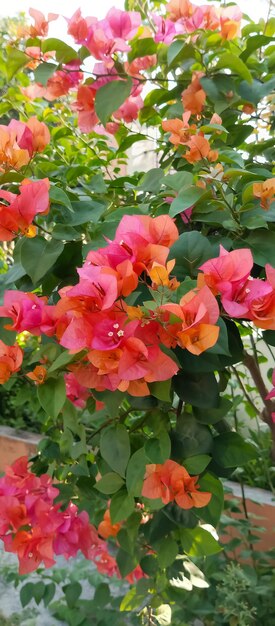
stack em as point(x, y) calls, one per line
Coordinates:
point(228, 268)
point(123, 24)
point(11, 358)
point(78, 27)
point(262, 308)
point(77, 394)
point(33, 199)
point(129, 110)
point(139, 64)
point(23, 135)
point(28, 312)
point(171, 482)
point(166, 29)
point(85, 106)
point(240, 300)
point(41, 24)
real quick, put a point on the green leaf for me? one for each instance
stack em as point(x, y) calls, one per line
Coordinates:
point(190, 251)
point(38, 591)
point(158, 449)
point(59, 196)
point(187, 197)
point(190, 438)
point(15, 60)
point(65, 232)
point(231, 450)
point(142, 48)
point(43, 72)
point(115, 447)
point(39, 255)
point(132, 600)
point(262, 244)
point(52, 396)
point(197, 464)
point(110, 97)
point(87, 211)
point(254, 43)
point(269, 337)
point(178, 181)
point(109, 483)
point(126, 562)
point(135, 472)
point(178, 51)
point(230, 61)
point(122, 506)
point(161, 390)
point(26, 594)
point(167, 550)
point(152, 180)
point(72, 593)
point(198, 389)
point(63, 359)
point(102, 595)
point(213, 415)
point(64, 53)
point(257, 90)
point(198, 542)
point(212, 512)
point(48, 593)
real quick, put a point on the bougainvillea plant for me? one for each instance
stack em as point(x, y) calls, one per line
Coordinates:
point(128, 297)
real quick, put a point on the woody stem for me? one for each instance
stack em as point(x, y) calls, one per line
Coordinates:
point(269, 407)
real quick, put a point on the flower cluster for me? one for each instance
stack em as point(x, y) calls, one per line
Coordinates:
point(37, 529)
point(20, 141)
point(17, 216)
point(206, 17)
point(183, 134)
point(242, 296)
point(107, 38)
point(171, 482)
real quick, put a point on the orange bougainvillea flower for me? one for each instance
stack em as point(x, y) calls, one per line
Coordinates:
point(41, 24)
point(265, 191)
point(106, 529)
point(230, 20)
point(192, 323)
point(193, 97)
point(171, 482)
point(177, 9)
point(248, 108)
point(41, 134)
point(38, 375)
point(179, 129)
point(11, 155)
point(11, 358)
point(200, 149)
point(159, 275)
